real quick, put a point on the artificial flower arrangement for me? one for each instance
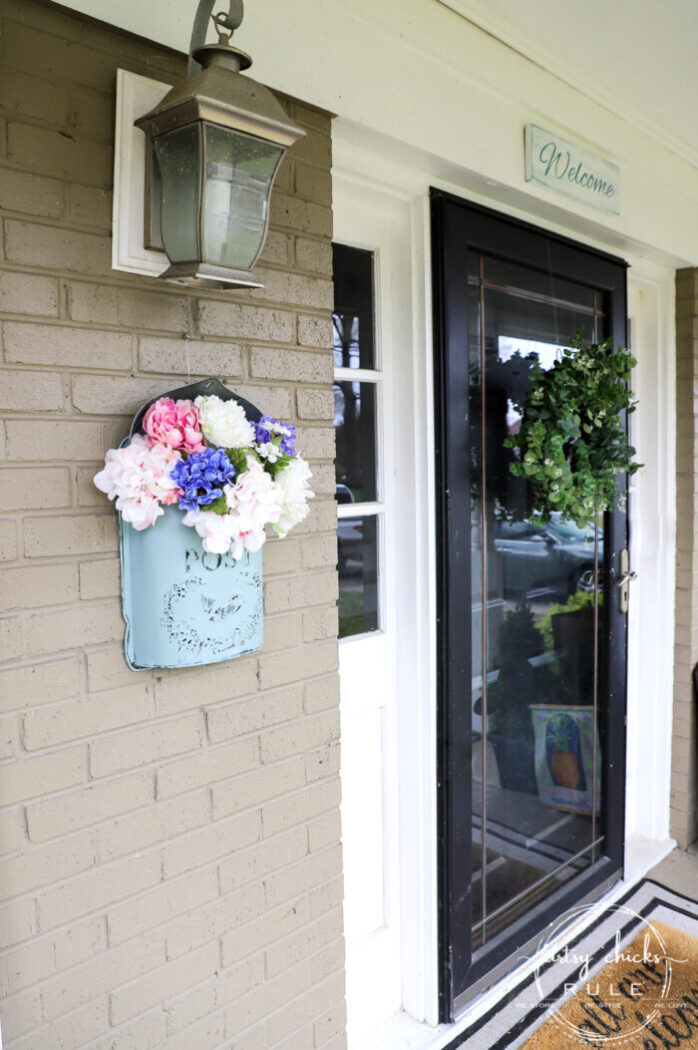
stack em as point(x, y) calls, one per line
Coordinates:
point(231, 477)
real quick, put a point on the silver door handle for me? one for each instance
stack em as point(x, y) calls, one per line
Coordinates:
point(623, 581)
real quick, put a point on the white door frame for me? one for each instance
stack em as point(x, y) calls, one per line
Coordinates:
point(370, 172)
point(379, 671)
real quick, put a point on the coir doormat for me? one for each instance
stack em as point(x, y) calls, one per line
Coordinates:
point(629, 983)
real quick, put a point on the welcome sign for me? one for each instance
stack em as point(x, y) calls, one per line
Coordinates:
point(564, 166)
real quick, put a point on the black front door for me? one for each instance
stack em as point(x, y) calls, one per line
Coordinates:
point(532, 641)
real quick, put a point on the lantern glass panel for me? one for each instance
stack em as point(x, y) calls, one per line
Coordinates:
point(178, 156)
point(239, 171)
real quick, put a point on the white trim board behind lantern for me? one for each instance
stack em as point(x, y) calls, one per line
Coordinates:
point(135, 95)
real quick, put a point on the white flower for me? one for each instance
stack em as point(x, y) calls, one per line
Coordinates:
point(254, 501)
point(294, 493)
point(216, 530)
point(269, 451)
point(277, 427)
point(224, 423)
point(137, 476)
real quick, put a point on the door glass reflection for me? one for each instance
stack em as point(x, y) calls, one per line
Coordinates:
point(537, 614)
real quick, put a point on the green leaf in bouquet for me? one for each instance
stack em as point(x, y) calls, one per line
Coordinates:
point(238, 457)
point(278, 465)
point(219, 506)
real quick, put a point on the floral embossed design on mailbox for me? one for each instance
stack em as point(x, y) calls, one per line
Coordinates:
point(198, 481)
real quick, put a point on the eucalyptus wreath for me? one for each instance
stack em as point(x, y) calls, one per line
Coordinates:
point(573, 442)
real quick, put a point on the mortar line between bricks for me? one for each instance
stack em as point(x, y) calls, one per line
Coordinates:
point(166, 882)
point(94, 30)
point(28, 121)
point(55, 223)
point(104, 232)
point(136, 282)
point(301, 995)
point(60, 80)
point(109, 949)
point(158, 720)
point(158, 764)
point(169, 333)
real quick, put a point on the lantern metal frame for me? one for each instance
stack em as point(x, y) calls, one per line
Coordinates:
point(217, 95)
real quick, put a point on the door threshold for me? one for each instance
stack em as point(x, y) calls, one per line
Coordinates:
point(400, 1031)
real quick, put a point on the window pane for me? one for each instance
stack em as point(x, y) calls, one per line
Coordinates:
point(177, 157)
point(239, 173)
point(352, 319)
point(355, 431)
point(357, 543)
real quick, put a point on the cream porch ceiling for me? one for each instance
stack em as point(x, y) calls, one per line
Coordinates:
point(638, 57)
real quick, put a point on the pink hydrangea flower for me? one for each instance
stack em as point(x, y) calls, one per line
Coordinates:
point(138, 478)
point(254, 501)
point(174, 423)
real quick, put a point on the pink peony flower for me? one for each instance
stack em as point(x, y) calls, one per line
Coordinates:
point(138, 478)
point(174, 423)
point(190, 425)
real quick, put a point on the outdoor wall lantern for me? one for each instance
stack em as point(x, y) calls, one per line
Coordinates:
point(217, 140)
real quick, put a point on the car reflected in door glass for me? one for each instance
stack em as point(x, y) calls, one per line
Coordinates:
point(554, 559)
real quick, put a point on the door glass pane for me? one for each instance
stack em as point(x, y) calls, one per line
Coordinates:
point(537, 613)
point(357, 544)
point(533, 283)
point(355, 434)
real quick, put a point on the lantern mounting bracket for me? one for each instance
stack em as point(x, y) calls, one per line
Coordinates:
point(231, 21)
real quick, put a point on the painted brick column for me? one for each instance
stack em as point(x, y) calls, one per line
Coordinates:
point(170, 856)
point(684, 766)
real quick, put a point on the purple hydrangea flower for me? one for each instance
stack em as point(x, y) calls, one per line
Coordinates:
point(268, 428)
point(201, 477)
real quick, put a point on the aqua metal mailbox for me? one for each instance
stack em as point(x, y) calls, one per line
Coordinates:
point(183, 606)
point(199, 483)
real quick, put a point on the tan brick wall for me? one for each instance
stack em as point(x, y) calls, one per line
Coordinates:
point(172, 870)
point(684, 773)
